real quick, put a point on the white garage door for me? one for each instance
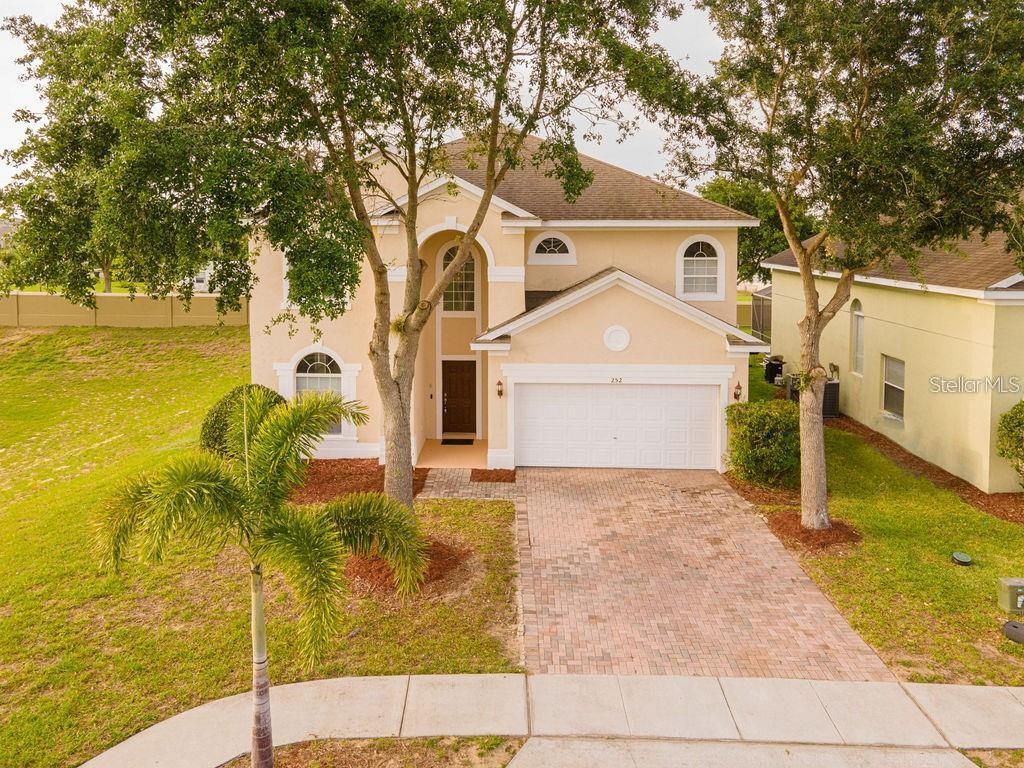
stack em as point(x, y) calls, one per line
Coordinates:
point(616, 425)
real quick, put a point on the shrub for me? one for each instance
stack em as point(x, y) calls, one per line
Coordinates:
point(764, 441)
point(1010, 438)
point(214, 433)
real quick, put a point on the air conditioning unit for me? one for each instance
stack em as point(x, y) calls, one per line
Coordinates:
point(830, 404)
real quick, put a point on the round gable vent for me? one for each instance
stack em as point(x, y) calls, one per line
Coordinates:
point(616, 338)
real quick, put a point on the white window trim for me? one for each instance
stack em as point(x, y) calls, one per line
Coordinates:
point(857, 340)
point(552, 259)
point(286, 373)
point(285, 285)
point(476, 355)
point(718, 295)
point(886, 383)
point(603, 373)
point(476, 281)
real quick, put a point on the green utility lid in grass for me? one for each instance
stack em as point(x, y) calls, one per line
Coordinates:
point(962, 558)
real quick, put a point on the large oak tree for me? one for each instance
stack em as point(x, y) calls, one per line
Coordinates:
point(897, 122)
point(290, 119)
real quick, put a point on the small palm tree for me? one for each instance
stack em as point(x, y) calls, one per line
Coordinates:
point(210, 501)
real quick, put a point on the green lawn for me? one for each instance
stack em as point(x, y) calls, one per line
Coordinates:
point(929, 619)
point(86, 658)
point(759, 388)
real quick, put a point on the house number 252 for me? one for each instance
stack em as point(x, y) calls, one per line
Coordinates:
point(616, 381)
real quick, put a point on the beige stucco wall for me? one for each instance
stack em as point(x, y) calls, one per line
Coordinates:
point(658, 336)
point(649, 254)
point(936, 335)
point(1008, 353)
point(504, 275)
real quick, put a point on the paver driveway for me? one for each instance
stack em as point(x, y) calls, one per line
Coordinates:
point(669, 572)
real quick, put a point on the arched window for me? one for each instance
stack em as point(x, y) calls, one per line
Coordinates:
point(700, 271)
point(857, 337)
point(552, 248)
point(319, 372)
point(460, 295)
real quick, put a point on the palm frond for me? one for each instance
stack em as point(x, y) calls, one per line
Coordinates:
point(286, 439)
point(370, 522)
point(249, 411)
point(304, 545)
point(193, 495)
point(116, 528)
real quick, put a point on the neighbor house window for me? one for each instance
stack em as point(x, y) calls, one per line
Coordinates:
point(893, 376)
point(460, 295)
point(857, 337)
point(700, 270)
point(552, 248)
point(319, 372)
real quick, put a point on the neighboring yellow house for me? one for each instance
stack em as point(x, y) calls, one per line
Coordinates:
point(594, 333)
point(929, 360)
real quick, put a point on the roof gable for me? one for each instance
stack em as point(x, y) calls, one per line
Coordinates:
point(734, 338)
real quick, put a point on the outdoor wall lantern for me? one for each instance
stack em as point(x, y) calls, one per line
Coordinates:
point(501, 388)
point(737, 393)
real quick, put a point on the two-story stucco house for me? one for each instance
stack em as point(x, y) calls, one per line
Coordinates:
point(594, 333)
point(931, 360)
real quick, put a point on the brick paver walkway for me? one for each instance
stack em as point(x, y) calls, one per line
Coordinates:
point(669, 572)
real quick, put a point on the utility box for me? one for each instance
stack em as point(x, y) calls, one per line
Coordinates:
point(1011, 595)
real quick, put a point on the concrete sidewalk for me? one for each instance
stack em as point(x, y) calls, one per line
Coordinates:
point(644, 721)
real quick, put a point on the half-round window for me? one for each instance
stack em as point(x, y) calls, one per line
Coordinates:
point(460, 295)
point(700, 269)
point(552, 248)
point(319, 372)
point(552, 245)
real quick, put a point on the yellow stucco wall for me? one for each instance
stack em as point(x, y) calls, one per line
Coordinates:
point(1009, 364)
point(938, 336)
point(649, 254)
point(658, 336)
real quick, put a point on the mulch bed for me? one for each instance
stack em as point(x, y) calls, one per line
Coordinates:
point(329, 479)
point(374, 575)
point(785, 523)
point(492, 476)
point(787, 528)
point(761, 495)
point(1007, 506)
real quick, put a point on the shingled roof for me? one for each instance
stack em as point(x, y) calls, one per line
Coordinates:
point(980, 265)
point(615, 194)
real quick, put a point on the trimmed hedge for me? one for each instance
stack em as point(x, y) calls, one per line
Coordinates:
point(214, 433)
point(764, 441)
point(1010, 438)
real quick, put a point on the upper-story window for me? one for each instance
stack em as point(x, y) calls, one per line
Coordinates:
point(552, 248)
point(319, 372)
point(460, 295)
point(700, 271)
point(857, 337)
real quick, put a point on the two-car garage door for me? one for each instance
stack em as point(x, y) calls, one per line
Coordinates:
point(616, 425)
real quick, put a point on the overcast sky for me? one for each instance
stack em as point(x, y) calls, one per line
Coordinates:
point(690, 38)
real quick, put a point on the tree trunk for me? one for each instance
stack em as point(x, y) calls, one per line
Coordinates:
point(262, 738)
point(813, 484)
point(108, 282)
point(398, 469)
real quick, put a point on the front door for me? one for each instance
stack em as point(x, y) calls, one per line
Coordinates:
point(458, 392)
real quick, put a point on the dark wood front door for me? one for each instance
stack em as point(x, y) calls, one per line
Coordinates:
point(458, 393)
